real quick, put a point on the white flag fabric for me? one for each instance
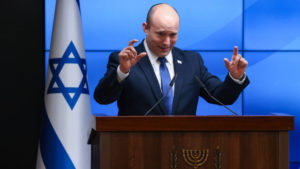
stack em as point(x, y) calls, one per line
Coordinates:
point(67, 118)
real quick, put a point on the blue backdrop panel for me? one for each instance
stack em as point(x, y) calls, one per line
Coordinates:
point(110, 24)
point(96, 64)
point(49, 18)
point(274, 88)
point(272, 25)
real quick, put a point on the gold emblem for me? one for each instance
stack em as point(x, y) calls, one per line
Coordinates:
point(195, 158)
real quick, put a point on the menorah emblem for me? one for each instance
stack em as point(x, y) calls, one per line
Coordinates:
point(195, 158)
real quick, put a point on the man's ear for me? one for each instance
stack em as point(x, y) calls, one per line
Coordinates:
point(145, 27)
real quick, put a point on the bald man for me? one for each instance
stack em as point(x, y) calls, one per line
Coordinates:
point(137, 77)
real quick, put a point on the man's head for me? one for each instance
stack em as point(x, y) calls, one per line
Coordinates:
point(161, 29)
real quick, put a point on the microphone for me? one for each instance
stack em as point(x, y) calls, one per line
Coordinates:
point(215, 99)
point(170, 87)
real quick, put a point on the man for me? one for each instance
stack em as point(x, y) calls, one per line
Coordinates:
point(137, 77)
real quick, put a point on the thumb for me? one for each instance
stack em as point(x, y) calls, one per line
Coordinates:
point(227, 63)
point(141, 55)
point(138, 57)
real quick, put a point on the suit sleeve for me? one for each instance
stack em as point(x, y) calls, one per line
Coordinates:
point(109, 89)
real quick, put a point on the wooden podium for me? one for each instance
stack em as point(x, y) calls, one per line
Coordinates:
point(191, 142)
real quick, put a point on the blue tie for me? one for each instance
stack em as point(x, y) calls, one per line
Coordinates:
point(165, 81)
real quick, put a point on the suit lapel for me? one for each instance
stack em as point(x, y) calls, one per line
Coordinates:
point(146, 67)
point(178, 68)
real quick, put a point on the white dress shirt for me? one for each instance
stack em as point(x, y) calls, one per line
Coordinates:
point(156, 64)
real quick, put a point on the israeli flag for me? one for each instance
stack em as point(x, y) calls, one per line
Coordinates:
point(67, 119)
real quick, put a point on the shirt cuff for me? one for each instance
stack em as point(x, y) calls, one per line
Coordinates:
point(120, 75)
point(239, 81)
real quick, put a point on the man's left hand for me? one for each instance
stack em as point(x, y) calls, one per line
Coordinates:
point(237, 65)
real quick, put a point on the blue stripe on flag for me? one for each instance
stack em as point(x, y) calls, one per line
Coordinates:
point(53, 153)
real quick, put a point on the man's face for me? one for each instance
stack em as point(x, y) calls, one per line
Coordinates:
point(162, 34)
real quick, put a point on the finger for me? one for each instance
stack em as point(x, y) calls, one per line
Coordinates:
point(235, 50)
point(132, 50)
point(235, 53)
point(129, 52)
point(138, 57)
point(227, 63)
point(243, 62)
point(141, 55)
point(123, 56)
point(236, 59)
point(125, 50)
point(243, 65)
point(132, 42)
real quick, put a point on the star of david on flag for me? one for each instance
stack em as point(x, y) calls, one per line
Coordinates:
point(70, 93)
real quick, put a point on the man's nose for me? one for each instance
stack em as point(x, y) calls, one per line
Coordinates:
point(167, 40)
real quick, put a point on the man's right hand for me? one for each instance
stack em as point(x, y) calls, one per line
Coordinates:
point(128, 57)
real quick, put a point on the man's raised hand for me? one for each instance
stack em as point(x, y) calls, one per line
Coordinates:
point(237, 65)
point(128, 57)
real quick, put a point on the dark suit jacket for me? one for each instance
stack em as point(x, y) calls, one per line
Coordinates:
point(140, 90)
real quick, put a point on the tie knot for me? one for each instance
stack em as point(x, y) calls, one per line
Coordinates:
point(162, 60)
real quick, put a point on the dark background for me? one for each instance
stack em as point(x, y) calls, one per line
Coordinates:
point(22, 81)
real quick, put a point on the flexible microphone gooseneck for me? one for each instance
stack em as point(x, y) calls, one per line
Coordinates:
point(170, 87)
point(215, 99)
